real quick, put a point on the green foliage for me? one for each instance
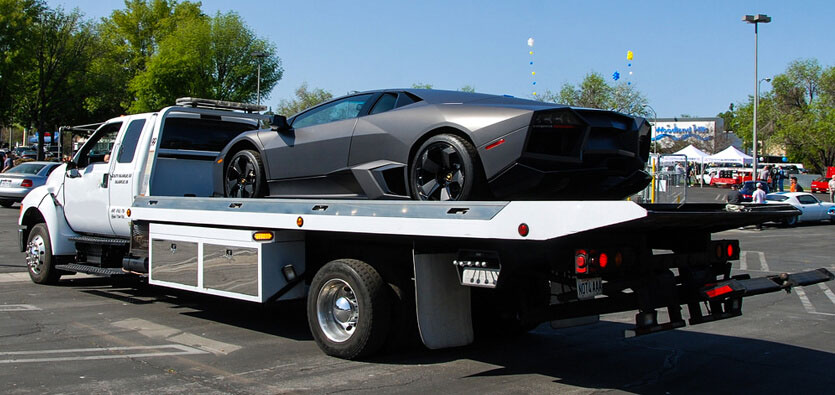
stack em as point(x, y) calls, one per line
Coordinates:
point(797, 115)
point(206, 57)
point(595, 92)
point(420, 85)
point(304, 100)
point(17, 19)
point(467, 88)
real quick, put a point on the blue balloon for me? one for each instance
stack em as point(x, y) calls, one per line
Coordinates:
point(785, 159)
point(534, 82)
point(531, 62)
point(629, 64)
point(616, 76)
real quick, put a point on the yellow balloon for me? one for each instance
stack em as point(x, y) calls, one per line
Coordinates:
point(534, 93)
point(533, 72)
point(531, 52)
point(629, 55)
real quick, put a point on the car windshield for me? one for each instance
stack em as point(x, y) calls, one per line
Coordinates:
point(26, 168)
point(777, 198)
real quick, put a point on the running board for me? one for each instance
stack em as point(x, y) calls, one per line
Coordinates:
point(100, 240)
point(95, 270)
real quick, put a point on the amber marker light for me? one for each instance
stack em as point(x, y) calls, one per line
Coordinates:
point(299, 222)
point(263, 236)
point(127, 212)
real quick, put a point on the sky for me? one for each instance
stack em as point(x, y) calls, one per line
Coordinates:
point(689, 57)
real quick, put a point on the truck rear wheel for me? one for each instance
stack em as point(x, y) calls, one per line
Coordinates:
point(348, 309)
point(39, 259)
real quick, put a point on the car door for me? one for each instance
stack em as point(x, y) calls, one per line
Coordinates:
point(123, 171)
point(811, 208)
point(86, 194)
point(318, 142)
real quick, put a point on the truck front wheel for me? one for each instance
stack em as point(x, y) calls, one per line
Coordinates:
point(39, 259)
point(348, 309)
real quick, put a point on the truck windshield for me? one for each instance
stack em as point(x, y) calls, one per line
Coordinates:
point(200, 134)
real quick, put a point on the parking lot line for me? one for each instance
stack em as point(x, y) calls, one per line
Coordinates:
point(157, 331)
point(828, 292)
point(743, 260)
point(104, 353)
point(17, 307)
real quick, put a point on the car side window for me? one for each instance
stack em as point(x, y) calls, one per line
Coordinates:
point(128, 147)
point(99, 145)
point(807, 199)
point(385, 103)
point(346, 108)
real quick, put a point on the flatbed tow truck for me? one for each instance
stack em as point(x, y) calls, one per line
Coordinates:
point(370, 270)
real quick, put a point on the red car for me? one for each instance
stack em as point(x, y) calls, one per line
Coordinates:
point(821, 185)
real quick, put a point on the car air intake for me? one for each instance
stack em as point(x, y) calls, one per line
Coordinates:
point(556, 132)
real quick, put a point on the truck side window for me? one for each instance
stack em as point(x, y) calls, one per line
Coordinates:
point(98, 145)
point(128, 147)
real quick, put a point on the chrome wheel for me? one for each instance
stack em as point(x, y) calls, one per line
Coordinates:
point(440, 172)
point(35, 253)
point(337, 310)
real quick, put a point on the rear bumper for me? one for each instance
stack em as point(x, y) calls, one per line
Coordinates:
point(521, 181)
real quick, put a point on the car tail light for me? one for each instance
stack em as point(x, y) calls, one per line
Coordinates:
point(560, 119)
point(603, 260)
point(581, 262)
point(26, 183)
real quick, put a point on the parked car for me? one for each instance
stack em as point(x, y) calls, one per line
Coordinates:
point(439, 145)
point(748, 188)
point(820, 185)
point(19, 180)
point(810, 207)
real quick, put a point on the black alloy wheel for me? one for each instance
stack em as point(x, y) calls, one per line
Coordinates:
point(444, 169)
point(244, 175)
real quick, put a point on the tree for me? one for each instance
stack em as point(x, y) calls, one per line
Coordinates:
point(210, 58)
point(304, 100)
point(53, 83)
point(594, 92)
point(17, 18)
point(467, 88)
point(421, 85)
point(126, 42)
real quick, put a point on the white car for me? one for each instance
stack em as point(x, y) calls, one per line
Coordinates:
point(810, 207)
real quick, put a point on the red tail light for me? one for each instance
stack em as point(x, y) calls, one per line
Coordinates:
point(523, 230)
point(712, 293)
point(730, 250)
point(26, 183)
point(604, 260)
point(580, 261)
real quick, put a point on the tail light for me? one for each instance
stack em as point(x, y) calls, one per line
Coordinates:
point(725, 250)
point(26, 183)
point(581, 260)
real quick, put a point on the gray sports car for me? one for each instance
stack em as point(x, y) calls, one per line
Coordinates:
point(439, 145)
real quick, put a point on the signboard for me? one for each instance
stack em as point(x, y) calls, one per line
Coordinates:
point(666, 133)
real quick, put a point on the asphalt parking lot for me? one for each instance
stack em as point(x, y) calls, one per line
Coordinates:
point(91, 335)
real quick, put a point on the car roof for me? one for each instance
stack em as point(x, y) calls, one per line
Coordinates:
point(790, 194)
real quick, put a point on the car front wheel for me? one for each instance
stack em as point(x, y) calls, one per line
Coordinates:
point(445, 167)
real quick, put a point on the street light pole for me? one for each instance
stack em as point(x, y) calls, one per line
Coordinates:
point(756, 20)
point(260, 55)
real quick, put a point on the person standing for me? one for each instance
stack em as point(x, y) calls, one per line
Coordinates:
point(759, 197)
point(781, 175)
point(794, 186)
point(8, 163)
point(832, 188)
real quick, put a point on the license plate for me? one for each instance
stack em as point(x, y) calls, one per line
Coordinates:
point(4, 183)
point(588, 288)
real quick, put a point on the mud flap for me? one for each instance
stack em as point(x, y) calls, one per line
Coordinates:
point(443, 305)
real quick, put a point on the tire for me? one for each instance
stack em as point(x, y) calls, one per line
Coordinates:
point(790, 222)
point(6, 203)
point(39, 259)
point(348, 309)
point(244, 176)
point(445, 167)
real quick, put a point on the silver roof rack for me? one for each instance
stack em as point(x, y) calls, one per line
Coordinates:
point(219, 104)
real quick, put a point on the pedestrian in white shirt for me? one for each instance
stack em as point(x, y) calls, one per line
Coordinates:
point(832, 189)
point(759, 197)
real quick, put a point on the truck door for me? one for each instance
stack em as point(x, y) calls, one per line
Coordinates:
point(86, 196)
point(123, 172)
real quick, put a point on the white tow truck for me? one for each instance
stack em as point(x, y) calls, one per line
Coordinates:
point(137, 200)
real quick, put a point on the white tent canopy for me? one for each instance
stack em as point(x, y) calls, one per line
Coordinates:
point(730, 155)
point(692, 153)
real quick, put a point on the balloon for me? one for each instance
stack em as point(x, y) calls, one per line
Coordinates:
point(530, 42)
point(531, 62)
point(533, 72)
point(531, 52)
point(630, 73)
point(534, 93)
point(629, 55)
point(616, 76)
point(534, 82)
point(629, 64)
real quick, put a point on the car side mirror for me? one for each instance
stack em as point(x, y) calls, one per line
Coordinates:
point(72, 170)
point(279, 123)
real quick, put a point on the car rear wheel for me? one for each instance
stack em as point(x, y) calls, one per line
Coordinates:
point(791, 221)
point(244, 175)
point(444, 168)
point(6, 203)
